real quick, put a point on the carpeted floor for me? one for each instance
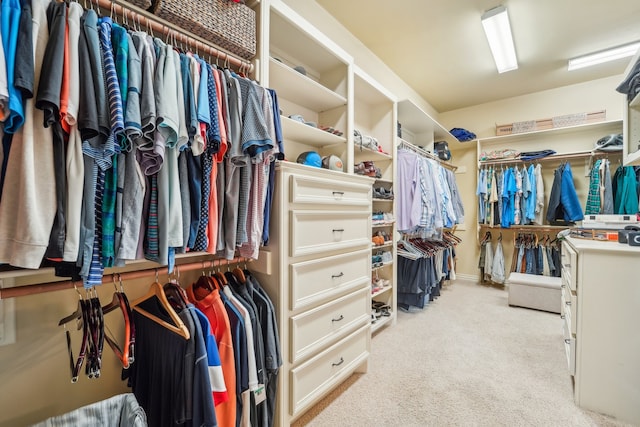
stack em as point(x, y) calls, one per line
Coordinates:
point(467, 359)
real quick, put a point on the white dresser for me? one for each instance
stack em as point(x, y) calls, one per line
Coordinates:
point(320, 281)
point(601, 311)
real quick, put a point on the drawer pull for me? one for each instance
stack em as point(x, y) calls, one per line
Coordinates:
point(567, 341)
point(567, 303)
point(339, 363)
point(338, 319)
point(338, 230)
point(338, 193)
point(562, 316)
point(335, 276)
point(563, 286)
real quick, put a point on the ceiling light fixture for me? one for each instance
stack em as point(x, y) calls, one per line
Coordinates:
point(603, 56)
point(498, 30)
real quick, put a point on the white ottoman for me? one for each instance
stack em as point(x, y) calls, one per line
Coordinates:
point(533, 291)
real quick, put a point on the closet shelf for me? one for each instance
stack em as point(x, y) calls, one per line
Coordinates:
point(381, 291)
point(303, 133)
point(382, 200)
point(386, 245)
point(606, 126)
point(384, 224)
point(383, 181)
point(380, 267)
point(302, 90)
point(368, 154)
point(379, 323)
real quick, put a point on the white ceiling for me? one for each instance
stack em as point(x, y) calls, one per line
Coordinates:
point(439, 49)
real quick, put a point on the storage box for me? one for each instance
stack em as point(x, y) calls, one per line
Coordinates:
point(551, 123)
point(224, 23)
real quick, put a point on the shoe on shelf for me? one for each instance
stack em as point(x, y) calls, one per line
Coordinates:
point(386, 257)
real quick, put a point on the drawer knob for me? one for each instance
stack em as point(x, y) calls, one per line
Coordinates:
point(338, 319)
point(567, 303)
point(339, 363)
point(563, 286)
point(562, 316)
point(338, 230)
point(335, 276)
point(567, 341)
point(338, 193)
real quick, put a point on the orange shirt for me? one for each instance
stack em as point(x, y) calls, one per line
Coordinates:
point(64, 90)
point(213, 307)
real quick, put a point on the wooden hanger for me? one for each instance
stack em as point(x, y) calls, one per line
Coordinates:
point(239, 274)
point(157, 290)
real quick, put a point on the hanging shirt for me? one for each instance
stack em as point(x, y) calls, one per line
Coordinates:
point(28, 201)
point(517, 198)
point(593, 198)
point(626, 196)
point(481, 192)
point(10, 23)
point(509, 189)
point(569, 197)
point(497, 268)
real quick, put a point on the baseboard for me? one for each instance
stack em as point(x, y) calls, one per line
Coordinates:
point(467, 277)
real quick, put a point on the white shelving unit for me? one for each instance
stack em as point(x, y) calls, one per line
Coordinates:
point(320, 94)
point(375, 116)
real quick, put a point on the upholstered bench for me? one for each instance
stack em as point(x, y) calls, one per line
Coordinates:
point(533, 291)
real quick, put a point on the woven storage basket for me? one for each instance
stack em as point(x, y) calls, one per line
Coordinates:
point(224, 23)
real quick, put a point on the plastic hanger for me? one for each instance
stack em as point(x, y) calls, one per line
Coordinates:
point(80, 316)
point(156, 290)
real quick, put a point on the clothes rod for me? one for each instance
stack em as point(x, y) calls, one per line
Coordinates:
point(409, 146)
point(26, 290)
point(568, 156)
point(160, 26)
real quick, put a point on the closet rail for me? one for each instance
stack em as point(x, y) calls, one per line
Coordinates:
point(568, 156)
point(409, 146)
point(160, 26)
point(26, 290)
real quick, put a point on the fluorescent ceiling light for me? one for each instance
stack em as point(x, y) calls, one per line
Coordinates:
point(498, 30)
point(602, 56)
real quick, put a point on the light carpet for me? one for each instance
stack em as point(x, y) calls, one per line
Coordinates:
point(467, 359)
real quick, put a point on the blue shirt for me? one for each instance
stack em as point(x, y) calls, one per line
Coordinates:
point(10, 21)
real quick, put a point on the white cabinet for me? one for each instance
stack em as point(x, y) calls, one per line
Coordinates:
point(320, 251)
point(601, 311)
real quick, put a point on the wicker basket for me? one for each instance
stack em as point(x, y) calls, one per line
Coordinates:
point(224, 23)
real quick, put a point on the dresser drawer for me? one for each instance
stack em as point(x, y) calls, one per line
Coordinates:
point(314, 232)
point(569, 308)
point(329, 192)
point(314, 329)
point(569, 261)
point(320, 279)
point(314, 378)
point(569, 347)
